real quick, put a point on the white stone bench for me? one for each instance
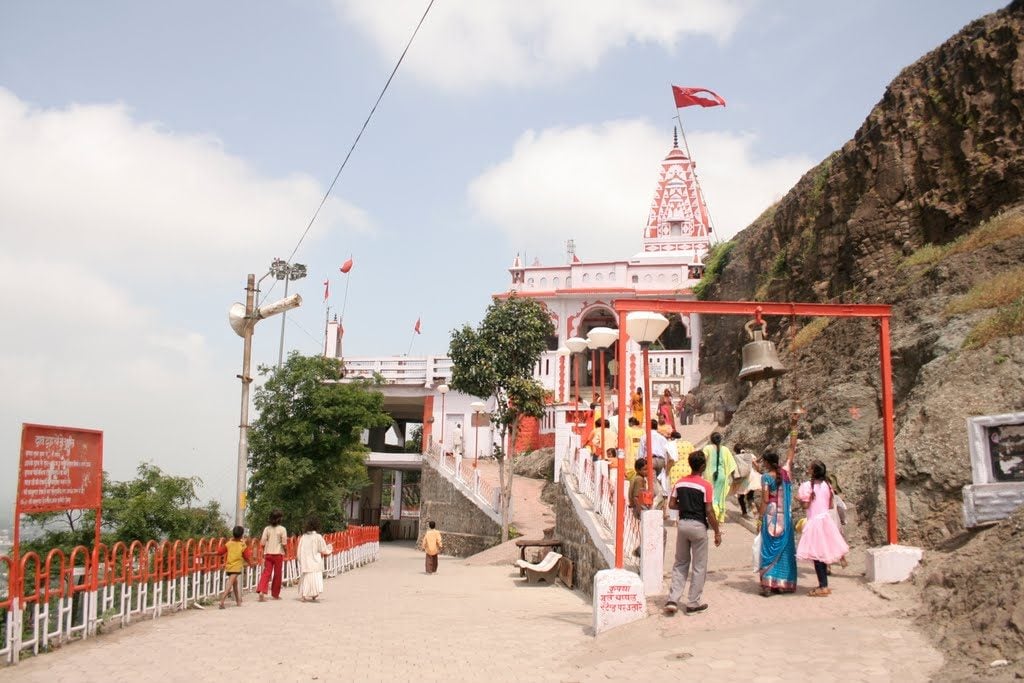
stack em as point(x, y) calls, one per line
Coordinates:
point(546, 569)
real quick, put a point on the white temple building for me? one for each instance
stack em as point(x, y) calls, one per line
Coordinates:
point(579, 295)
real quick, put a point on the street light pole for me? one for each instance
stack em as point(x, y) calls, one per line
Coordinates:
point(243, 425)
point(602, 338)
point(576, 346)
point(643, 327)
point(282, 270)
point(242, 320)
point(478, 409)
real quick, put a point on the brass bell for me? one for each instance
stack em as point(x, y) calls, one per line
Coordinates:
point(760, 359)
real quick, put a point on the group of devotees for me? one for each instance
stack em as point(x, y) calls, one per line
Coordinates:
point(695, 485)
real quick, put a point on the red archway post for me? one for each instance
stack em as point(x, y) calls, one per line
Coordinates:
point(882, 312)
point(620, 476)
point(888, 431)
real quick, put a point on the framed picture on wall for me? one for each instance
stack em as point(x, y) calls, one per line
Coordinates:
point(997, 448)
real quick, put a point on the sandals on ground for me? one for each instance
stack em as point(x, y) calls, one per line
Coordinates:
point(819, 592)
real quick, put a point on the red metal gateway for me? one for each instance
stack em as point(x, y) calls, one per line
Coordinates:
point(881, 312)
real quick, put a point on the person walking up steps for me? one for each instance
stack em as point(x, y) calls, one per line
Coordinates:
point(432, 546)
point(692, 496)
point(821, 541)
point(720, 469)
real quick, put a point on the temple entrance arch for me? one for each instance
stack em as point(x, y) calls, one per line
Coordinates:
point(598, 315)
point(676, 336)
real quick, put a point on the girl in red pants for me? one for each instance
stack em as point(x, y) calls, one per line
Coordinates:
point(274, 539)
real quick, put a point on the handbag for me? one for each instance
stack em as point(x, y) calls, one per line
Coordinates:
point(755, 552)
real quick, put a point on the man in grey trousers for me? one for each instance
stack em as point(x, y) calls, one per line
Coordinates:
point(692, 496)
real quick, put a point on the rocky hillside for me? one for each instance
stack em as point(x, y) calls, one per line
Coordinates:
point(922, 209)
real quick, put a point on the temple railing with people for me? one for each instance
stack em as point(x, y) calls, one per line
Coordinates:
point(593, 483)
point(61, 597)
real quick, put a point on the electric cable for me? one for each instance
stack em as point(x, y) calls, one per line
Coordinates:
point(358, 136)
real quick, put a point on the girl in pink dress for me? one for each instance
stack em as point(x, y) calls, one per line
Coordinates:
point(821, 542)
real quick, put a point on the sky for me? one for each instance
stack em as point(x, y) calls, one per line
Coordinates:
point(154, 154)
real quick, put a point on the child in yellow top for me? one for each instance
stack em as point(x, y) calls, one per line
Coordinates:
point(236, 555)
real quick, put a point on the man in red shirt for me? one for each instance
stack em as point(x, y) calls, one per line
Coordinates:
point(692, 496)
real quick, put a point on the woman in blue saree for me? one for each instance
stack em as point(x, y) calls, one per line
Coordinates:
point(778, 547)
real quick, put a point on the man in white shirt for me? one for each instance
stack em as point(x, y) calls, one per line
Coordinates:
point(457, 439)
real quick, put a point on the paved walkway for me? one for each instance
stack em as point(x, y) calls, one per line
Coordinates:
point(389, 621)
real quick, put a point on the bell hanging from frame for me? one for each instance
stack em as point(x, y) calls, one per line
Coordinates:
point(760, 359)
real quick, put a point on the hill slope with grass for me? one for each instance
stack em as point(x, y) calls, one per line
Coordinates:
point(924, 210)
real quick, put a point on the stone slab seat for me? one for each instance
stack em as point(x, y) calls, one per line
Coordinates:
point(546, 569)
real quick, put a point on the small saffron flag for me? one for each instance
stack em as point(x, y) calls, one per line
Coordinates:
point(688, 97)
point(327, 289)
point(346, 266)
point(416, 328)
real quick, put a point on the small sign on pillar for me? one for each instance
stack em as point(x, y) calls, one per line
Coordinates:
point(618, 599)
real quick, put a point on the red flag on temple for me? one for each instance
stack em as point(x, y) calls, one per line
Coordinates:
point(688, 97)
point(327, 289)
point(416, 329)
point(346, 266)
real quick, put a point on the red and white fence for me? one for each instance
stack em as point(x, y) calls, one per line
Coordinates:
point(62, 597)
point(594, 482)
point(461, 473)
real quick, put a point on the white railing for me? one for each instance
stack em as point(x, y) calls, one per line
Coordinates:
point(423, 371)
point(66, 600)
point(670, 363)
point(595, 484)
point(461, 473)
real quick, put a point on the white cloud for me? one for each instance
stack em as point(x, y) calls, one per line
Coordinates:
point(91, 182)
point(467, 43)
point(112, 231)
point(595, 184)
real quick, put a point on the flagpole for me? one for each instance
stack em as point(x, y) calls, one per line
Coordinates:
point(700, 189)
point(327, 322)
point(410, 343)
point(344, 300)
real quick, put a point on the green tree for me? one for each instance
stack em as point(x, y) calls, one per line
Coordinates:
point(305, 449)
point(495, 361)
point(160, 506)
point(415, 442)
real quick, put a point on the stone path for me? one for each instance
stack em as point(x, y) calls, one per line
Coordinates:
point(389, 621)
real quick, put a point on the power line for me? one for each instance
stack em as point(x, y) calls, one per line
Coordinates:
point(358, 136)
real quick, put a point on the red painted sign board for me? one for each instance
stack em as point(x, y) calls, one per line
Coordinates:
point(61, 469)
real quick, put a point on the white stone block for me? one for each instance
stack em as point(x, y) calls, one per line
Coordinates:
point(892, 563)
point(652, 551)
point(618, 599)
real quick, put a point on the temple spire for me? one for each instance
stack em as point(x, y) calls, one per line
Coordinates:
point(678, 220)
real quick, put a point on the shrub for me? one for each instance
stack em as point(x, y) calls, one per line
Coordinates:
point(717, 259)
point(1008, 321)
point(996, 291)
point(809, 333)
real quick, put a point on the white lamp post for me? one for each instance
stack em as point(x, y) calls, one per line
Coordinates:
point(443, 390)
point(576, 345)
point(644, 327)
point(602, 338)
point(478, 409)
point(242, 320)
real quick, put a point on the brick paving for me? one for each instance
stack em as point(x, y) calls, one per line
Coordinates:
point(388, 621)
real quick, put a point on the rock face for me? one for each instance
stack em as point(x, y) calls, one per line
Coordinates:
point(939, 156)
